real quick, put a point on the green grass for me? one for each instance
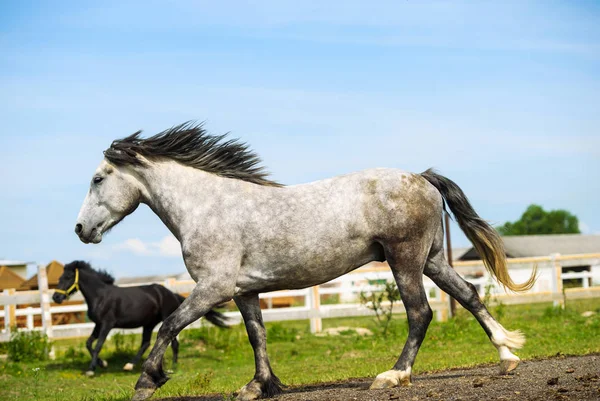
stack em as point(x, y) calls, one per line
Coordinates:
point(221, 361)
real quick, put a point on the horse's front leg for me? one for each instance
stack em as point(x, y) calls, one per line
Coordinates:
point(265, 383)
point(203, 298)
point(102, 334)
point(90, 342)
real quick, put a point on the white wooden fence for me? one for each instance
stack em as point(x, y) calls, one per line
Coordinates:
point(548, 288)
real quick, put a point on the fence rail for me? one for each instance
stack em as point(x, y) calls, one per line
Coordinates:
point(548, 288)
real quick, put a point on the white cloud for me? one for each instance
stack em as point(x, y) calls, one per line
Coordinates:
point(168, 247)
point(134, 245)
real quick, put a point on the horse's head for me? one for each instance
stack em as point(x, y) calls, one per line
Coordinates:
point(114, 193)
point(68, 283)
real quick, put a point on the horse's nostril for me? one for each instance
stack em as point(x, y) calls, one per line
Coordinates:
point(78, 228)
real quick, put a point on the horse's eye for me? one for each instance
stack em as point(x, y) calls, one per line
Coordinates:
point(98, 180)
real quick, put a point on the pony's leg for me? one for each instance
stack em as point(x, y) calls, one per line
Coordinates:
point(175, 348)
point(90, 342)
point(407, 261)
point(204, 296)
point(264, 383)
point(146, 337)
point(445, 277)
point(102, 334)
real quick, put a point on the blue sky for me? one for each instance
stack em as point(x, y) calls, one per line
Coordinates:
point(502, 97)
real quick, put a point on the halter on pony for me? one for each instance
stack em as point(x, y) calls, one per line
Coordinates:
point(73, 288)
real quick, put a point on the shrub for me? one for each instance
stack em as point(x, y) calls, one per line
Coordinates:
point(28, 346)
point(376, 302)
point(73, 354)
point(125, 345)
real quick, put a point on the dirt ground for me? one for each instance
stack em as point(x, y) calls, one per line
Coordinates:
point(558, 378)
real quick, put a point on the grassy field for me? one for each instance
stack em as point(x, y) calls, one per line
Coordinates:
point(221, 361)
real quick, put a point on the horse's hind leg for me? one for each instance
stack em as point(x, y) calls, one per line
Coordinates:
point(264, 383)
point(407, 260)
point(445, 277)
point(146, 337)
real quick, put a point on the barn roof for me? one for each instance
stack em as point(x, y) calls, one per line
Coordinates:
point(54, 270)
point(9, 279)
point(8, 262)
point(521, 246)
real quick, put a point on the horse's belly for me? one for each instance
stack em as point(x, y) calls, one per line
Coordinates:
point(303, 270)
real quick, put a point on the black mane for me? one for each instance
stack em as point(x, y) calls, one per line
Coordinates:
point(189, 144)
point(81, 265)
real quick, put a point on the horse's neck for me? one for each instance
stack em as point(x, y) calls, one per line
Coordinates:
point(183, 196)
point(90, 285)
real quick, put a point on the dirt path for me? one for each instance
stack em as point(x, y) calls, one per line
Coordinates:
point(559, 378)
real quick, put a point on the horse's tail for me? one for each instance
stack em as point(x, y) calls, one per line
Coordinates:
point(484, 237)
point(216, 318)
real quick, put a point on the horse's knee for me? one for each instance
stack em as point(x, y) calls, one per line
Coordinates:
point(420, 315)
point(167, 330)
point(428, 315)
point(473, 295)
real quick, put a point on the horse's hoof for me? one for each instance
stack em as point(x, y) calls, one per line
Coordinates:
point(508, 365)
point(128, 367)
point(405, 382)
point(390, 379)
point(89, 373)
point(104, 364)
point(143, 394)
point(387, 379)
point(250, 392)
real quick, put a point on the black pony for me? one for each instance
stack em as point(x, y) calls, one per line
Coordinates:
point(111, 307)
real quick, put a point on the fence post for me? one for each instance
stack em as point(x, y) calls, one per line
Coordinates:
point(9, 312)
point(585, 281)
point(45, 300)
point(45, 306)
point(557, 284)
point(314, 298)
point(441, 315)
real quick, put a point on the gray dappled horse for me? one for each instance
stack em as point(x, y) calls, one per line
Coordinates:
point(242, 234)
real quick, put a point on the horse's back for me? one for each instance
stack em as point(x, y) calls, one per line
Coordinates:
point(138, 306)
point(309, 234)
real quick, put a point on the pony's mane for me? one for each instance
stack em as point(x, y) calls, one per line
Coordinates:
point(81, 265)
point(189, 144)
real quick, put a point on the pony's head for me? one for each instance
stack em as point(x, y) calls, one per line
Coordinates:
point(73, 273)
point(68, 283)
point(114, 193)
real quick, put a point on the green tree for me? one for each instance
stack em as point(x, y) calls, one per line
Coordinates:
point(536, 220)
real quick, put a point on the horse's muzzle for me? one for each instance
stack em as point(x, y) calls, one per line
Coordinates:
point(92, 236)
point(58, 298)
